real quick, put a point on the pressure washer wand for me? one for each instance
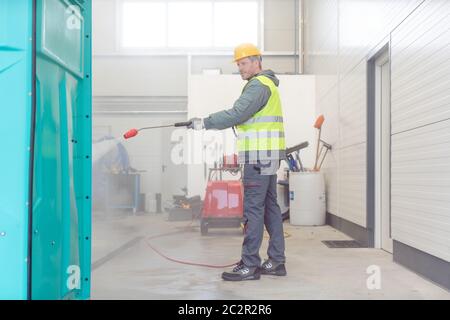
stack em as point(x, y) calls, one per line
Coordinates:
point(133, 132)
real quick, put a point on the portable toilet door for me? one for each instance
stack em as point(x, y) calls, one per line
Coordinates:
point(45, 132)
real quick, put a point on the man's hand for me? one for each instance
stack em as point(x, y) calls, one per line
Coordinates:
point(196, 124)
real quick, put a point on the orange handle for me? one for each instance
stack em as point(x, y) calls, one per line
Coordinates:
point(319, 121)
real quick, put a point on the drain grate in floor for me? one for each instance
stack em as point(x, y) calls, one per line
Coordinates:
point(336, 244)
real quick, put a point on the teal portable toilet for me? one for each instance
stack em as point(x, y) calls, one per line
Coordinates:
point(45, 134)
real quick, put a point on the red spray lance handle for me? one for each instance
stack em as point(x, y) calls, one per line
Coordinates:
point(130, 133)
point(133, 132)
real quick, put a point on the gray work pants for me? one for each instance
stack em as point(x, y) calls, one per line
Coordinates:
point(261, 208)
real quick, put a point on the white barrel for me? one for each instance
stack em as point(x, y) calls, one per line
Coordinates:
point(307, 205)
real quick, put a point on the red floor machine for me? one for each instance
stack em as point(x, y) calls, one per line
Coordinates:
point(223, 205)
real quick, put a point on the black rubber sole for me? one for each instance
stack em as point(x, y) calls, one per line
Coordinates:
point(280, 272)
point(274, 273)
point(249, 277)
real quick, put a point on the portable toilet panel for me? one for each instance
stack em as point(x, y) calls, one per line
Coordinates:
point(45, 129)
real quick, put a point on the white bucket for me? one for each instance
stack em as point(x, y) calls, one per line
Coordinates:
point(307, 202)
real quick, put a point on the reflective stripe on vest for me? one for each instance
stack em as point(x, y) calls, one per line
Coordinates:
point(262, 136)
point(264, 119)
point(255, 156)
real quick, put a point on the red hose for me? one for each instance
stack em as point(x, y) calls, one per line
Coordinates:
point(181, 261)
point(188, 262)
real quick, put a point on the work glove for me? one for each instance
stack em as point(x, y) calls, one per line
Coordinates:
point(196, 124)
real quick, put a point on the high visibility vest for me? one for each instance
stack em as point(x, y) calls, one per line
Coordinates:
point(262, 136)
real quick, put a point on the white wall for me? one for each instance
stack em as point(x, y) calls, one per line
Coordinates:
point(139, 76)
point(339, 36)
point(211, 93)
point(420, 100)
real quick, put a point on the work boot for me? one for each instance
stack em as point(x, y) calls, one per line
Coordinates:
point(273, 268)
point(242, 272)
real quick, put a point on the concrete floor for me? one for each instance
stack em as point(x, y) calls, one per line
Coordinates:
point(125, 267)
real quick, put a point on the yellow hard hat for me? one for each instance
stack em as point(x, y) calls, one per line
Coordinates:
point(245, 50)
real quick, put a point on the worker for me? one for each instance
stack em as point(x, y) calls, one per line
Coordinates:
point(257, 115)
